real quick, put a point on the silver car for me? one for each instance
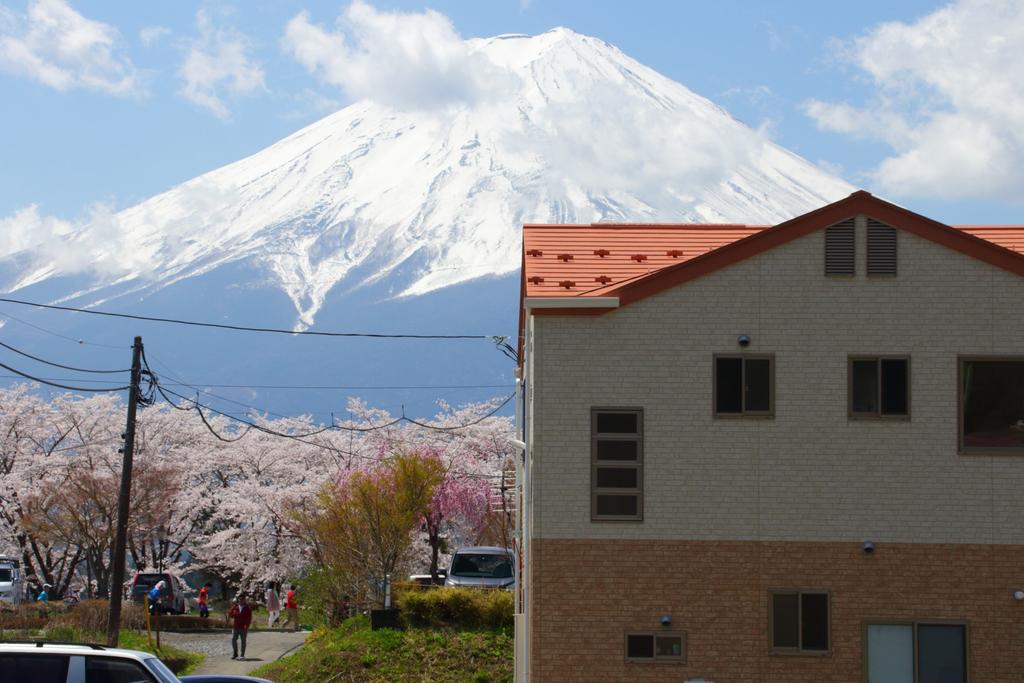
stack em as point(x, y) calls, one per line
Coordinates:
point(483, 567)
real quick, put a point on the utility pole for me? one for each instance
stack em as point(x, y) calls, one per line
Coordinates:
point(124, 497)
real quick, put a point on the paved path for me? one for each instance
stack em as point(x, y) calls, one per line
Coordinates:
point(262, 647)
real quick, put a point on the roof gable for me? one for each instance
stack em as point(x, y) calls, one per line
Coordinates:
point(629, 262)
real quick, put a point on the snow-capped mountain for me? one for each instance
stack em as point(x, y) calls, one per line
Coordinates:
point(408, 202)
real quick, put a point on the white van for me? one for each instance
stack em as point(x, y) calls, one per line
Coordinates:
point(483, 567)
point(12, 586)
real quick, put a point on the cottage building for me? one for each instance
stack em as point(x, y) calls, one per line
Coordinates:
point(774, 453)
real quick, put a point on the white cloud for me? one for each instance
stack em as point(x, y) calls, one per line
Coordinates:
point(151, 35)
point(405, 60)
point(217, 62)
point(26, 229)
point(948, 100)
point(57, 46)
point(92, 243)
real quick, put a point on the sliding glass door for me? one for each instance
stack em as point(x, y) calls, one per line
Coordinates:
point(916, 653)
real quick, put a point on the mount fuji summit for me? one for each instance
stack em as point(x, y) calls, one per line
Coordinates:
point(407, 218)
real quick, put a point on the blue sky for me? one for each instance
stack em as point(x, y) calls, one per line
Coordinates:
point(917, 101)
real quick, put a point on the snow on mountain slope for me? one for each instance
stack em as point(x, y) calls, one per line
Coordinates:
point(421, 200)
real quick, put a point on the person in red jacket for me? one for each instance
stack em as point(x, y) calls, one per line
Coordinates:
point(292, 609)
point(241, 617)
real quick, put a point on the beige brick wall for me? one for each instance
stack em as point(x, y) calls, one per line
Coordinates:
point(809, 474)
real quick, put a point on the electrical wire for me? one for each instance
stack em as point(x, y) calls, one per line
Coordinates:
point(61, 386)
point(59, 335)
point(244, 328)
point(317, 387)
point(333, 426)
point(58, 365)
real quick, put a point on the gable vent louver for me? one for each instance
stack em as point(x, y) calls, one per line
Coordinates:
point(840, 248)
point(881, 248)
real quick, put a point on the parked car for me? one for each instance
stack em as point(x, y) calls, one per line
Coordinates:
point(174, 600)
point(12, 584)
point(428, 580)
point(482, 566)
point(59, 663)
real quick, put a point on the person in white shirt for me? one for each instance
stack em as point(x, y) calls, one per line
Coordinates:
point(273, 604)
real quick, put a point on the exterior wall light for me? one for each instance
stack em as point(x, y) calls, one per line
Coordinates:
point(1018, 595)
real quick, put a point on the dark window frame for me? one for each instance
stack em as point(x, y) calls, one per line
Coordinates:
point(798, 650)
point(878, 414)
point(960, 378)
point(664, 659)
point(744, 413)
point(638, 465)
point(914, 623)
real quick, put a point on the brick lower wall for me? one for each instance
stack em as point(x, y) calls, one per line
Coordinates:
point(588, 593)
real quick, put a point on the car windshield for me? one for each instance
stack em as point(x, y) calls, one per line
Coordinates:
point(148, 580)
point(482, 565)
point(162, 672)
point(6, 574)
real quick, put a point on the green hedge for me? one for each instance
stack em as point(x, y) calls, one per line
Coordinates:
point(462, 607)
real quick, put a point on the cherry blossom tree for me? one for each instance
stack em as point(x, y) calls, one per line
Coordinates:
point(210, 493)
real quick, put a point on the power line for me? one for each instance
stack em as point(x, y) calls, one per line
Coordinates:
point(318, 387)
point(244, 328)
point(333, 426)
point(58, 365)
point(343, 387)
point(60, 386)
point(58, 334)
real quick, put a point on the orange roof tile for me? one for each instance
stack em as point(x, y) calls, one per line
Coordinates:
point(1007, 236)
point(606, 255)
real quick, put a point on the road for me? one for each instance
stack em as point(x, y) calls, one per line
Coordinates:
point(262, 647)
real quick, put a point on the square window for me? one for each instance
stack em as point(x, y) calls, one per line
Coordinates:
point(879, 387)
point(800, 622)
point(640, 646)
point(992, 403)
point(744, 385)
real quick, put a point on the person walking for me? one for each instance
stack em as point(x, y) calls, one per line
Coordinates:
point(204, 600)
point(273, 604)
point(241, 617)
point(292, 608)
point(43, 600)
point(154, 595)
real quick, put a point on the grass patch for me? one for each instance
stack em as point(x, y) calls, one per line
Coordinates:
point(352, 652)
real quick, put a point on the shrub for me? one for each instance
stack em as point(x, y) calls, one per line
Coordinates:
point(23, 617)
point(464, 607)
point(91, 616)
